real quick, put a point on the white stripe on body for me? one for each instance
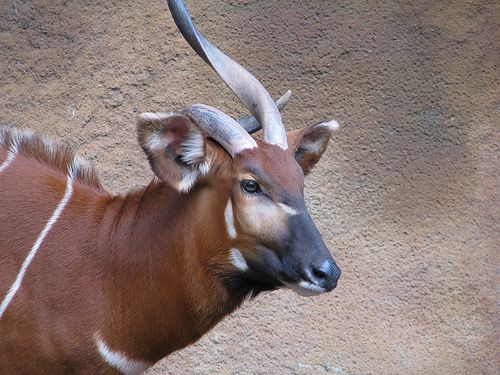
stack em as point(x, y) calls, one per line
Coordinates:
point(17, 283)
point(119, 360)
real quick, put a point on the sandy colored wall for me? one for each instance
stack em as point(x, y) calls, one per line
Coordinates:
point(406, 196)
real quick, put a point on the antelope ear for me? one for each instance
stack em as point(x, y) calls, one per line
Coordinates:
point(308, 144)
point(176, 148)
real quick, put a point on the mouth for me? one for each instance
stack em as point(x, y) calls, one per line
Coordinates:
point(270, 272)
point(305, 288)
point(309, 283)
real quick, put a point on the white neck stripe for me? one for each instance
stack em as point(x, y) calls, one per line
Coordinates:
point(17, 283)
point(10, 157)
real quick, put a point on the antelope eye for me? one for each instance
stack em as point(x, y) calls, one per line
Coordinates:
point(250, 186)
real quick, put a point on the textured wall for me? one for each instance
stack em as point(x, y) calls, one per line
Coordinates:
point(406, 196)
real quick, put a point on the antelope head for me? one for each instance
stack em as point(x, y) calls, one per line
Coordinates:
point(274, 241)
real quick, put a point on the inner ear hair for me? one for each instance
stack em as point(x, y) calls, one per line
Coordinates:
point(315, 137)
point(173, 134)
point(176, 148)
point(308, 144)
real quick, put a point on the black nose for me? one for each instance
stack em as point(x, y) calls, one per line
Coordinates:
point(326, 274)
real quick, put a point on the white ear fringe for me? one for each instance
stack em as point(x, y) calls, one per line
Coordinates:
point(332, 125)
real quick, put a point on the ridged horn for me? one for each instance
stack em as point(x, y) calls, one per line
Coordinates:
point(221, 127)
point(250, 123)
point(246, 87)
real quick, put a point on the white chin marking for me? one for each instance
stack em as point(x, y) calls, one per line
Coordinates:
point(237, 260)
point(289, 210)
point(229, 217)
point(305, 288)
point(118, 360)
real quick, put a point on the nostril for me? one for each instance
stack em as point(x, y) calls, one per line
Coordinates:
point(326, 274)
point(324, 270)
point(319, 273)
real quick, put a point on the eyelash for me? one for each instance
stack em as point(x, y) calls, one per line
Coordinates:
point(250, 186)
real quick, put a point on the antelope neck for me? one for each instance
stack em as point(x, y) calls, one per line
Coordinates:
point(154, 256)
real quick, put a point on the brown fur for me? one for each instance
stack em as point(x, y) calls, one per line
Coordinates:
point(148, 272)
point(94, 273)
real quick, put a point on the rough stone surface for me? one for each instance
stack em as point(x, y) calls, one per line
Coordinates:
point(406, 196)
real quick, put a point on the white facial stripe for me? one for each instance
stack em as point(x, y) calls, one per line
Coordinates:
point(59, 209)
point(229, 217)
point(237, 260)
point(289, 210)
point(10, 157)
point(119, 360)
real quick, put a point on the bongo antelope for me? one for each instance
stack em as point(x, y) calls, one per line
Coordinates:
point(95, 283)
